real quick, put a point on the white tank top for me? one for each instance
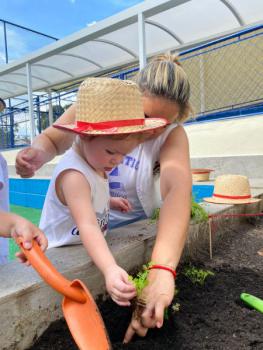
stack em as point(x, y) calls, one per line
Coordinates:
point(4, 206)
point(134, 180)
point(56, 220)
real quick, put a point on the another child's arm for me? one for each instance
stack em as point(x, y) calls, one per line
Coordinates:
point(12, 225)
point(121, 204)
point(50, 143)
point(74, 191)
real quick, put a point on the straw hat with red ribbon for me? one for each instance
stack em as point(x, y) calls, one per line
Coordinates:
point(201, 174)
point(108, 106)
point(232, 189)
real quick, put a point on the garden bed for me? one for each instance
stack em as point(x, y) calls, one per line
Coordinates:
point(210, 316)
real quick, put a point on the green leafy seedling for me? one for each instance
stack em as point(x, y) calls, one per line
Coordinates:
point(198, 214)
point(141, 279)
point(197, 276)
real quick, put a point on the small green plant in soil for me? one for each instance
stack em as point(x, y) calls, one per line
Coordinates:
point(141, 279)
point(197, 276)
point(198, 214)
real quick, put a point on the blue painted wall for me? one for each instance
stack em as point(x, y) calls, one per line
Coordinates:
point(31, 192)
point(28, 192)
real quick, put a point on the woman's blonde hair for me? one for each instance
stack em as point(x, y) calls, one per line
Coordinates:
point(164, 77)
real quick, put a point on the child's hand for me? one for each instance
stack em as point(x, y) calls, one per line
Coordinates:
point(27, 231)
point(29, 160)
point(121, 204)
point(118, 285)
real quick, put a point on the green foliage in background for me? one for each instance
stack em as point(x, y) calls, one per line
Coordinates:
point(198, 214)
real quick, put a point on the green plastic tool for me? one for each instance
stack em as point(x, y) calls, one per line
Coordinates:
point(252, 301)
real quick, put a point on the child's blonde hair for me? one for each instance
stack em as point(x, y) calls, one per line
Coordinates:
point(164, 77)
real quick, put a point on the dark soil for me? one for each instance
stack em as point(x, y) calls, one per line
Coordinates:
point(210, 316)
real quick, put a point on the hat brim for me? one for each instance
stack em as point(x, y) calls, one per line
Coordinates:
point(150, 124)
point(216, 200)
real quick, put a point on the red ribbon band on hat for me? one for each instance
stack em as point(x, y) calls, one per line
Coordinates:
point(231, 197)
point(86, 126)
point(202, 172)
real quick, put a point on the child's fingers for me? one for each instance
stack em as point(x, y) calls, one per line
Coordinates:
point(41, 240)
point(120, 302)
point(123, 296)
point(22, 258)
point(124, 287)
point(126, 205)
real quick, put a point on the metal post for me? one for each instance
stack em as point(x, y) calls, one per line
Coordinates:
point(202, 83)
point(39, 126)
point(30, 102)
point(5, 41)
point(142, 40)
point(12, 134)
point(50, 108)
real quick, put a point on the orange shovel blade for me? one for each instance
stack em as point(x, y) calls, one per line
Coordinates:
point(85, 322)
point(79, 308)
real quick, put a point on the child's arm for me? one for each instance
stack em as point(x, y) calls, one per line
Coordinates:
point(12, 225)
point(74, 191)
point(121, 204)
point(45, 146)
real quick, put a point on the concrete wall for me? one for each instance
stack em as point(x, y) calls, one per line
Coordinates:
point(251, 166)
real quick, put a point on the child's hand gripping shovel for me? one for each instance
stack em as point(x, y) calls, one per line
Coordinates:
point(79, 308)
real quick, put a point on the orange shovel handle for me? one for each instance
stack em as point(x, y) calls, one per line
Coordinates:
point(49, 274)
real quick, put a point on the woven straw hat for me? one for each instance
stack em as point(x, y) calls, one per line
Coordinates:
point(199, 174)
point(108, 106)
point(232, 189)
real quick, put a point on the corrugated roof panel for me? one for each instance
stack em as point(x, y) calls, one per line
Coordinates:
point(114, 41)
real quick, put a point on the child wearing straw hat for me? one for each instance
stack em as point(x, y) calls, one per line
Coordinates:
point(165, 91)
point(109, 123)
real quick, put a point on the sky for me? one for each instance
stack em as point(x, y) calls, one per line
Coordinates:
point(57, 18)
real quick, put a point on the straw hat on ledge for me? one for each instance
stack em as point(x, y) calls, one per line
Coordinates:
point(201, 174)
point(231, 189)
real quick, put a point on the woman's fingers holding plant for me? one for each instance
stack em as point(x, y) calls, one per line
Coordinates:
point(154, 311)
point(134, 327)
point(159, 295)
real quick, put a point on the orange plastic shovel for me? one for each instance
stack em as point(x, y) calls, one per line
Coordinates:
point(79, 308)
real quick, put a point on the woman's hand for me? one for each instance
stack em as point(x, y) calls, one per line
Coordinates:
point(29, 160)
point(158, 295)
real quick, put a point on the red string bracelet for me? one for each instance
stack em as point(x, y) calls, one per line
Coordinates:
point(162, 267)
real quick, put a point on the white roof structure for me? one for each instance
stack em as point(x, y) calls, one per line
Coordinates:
point(128, 37)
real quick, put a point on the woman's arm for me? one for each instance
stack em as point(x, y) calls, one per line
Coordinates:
point(176, 186)
point(46, 146)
